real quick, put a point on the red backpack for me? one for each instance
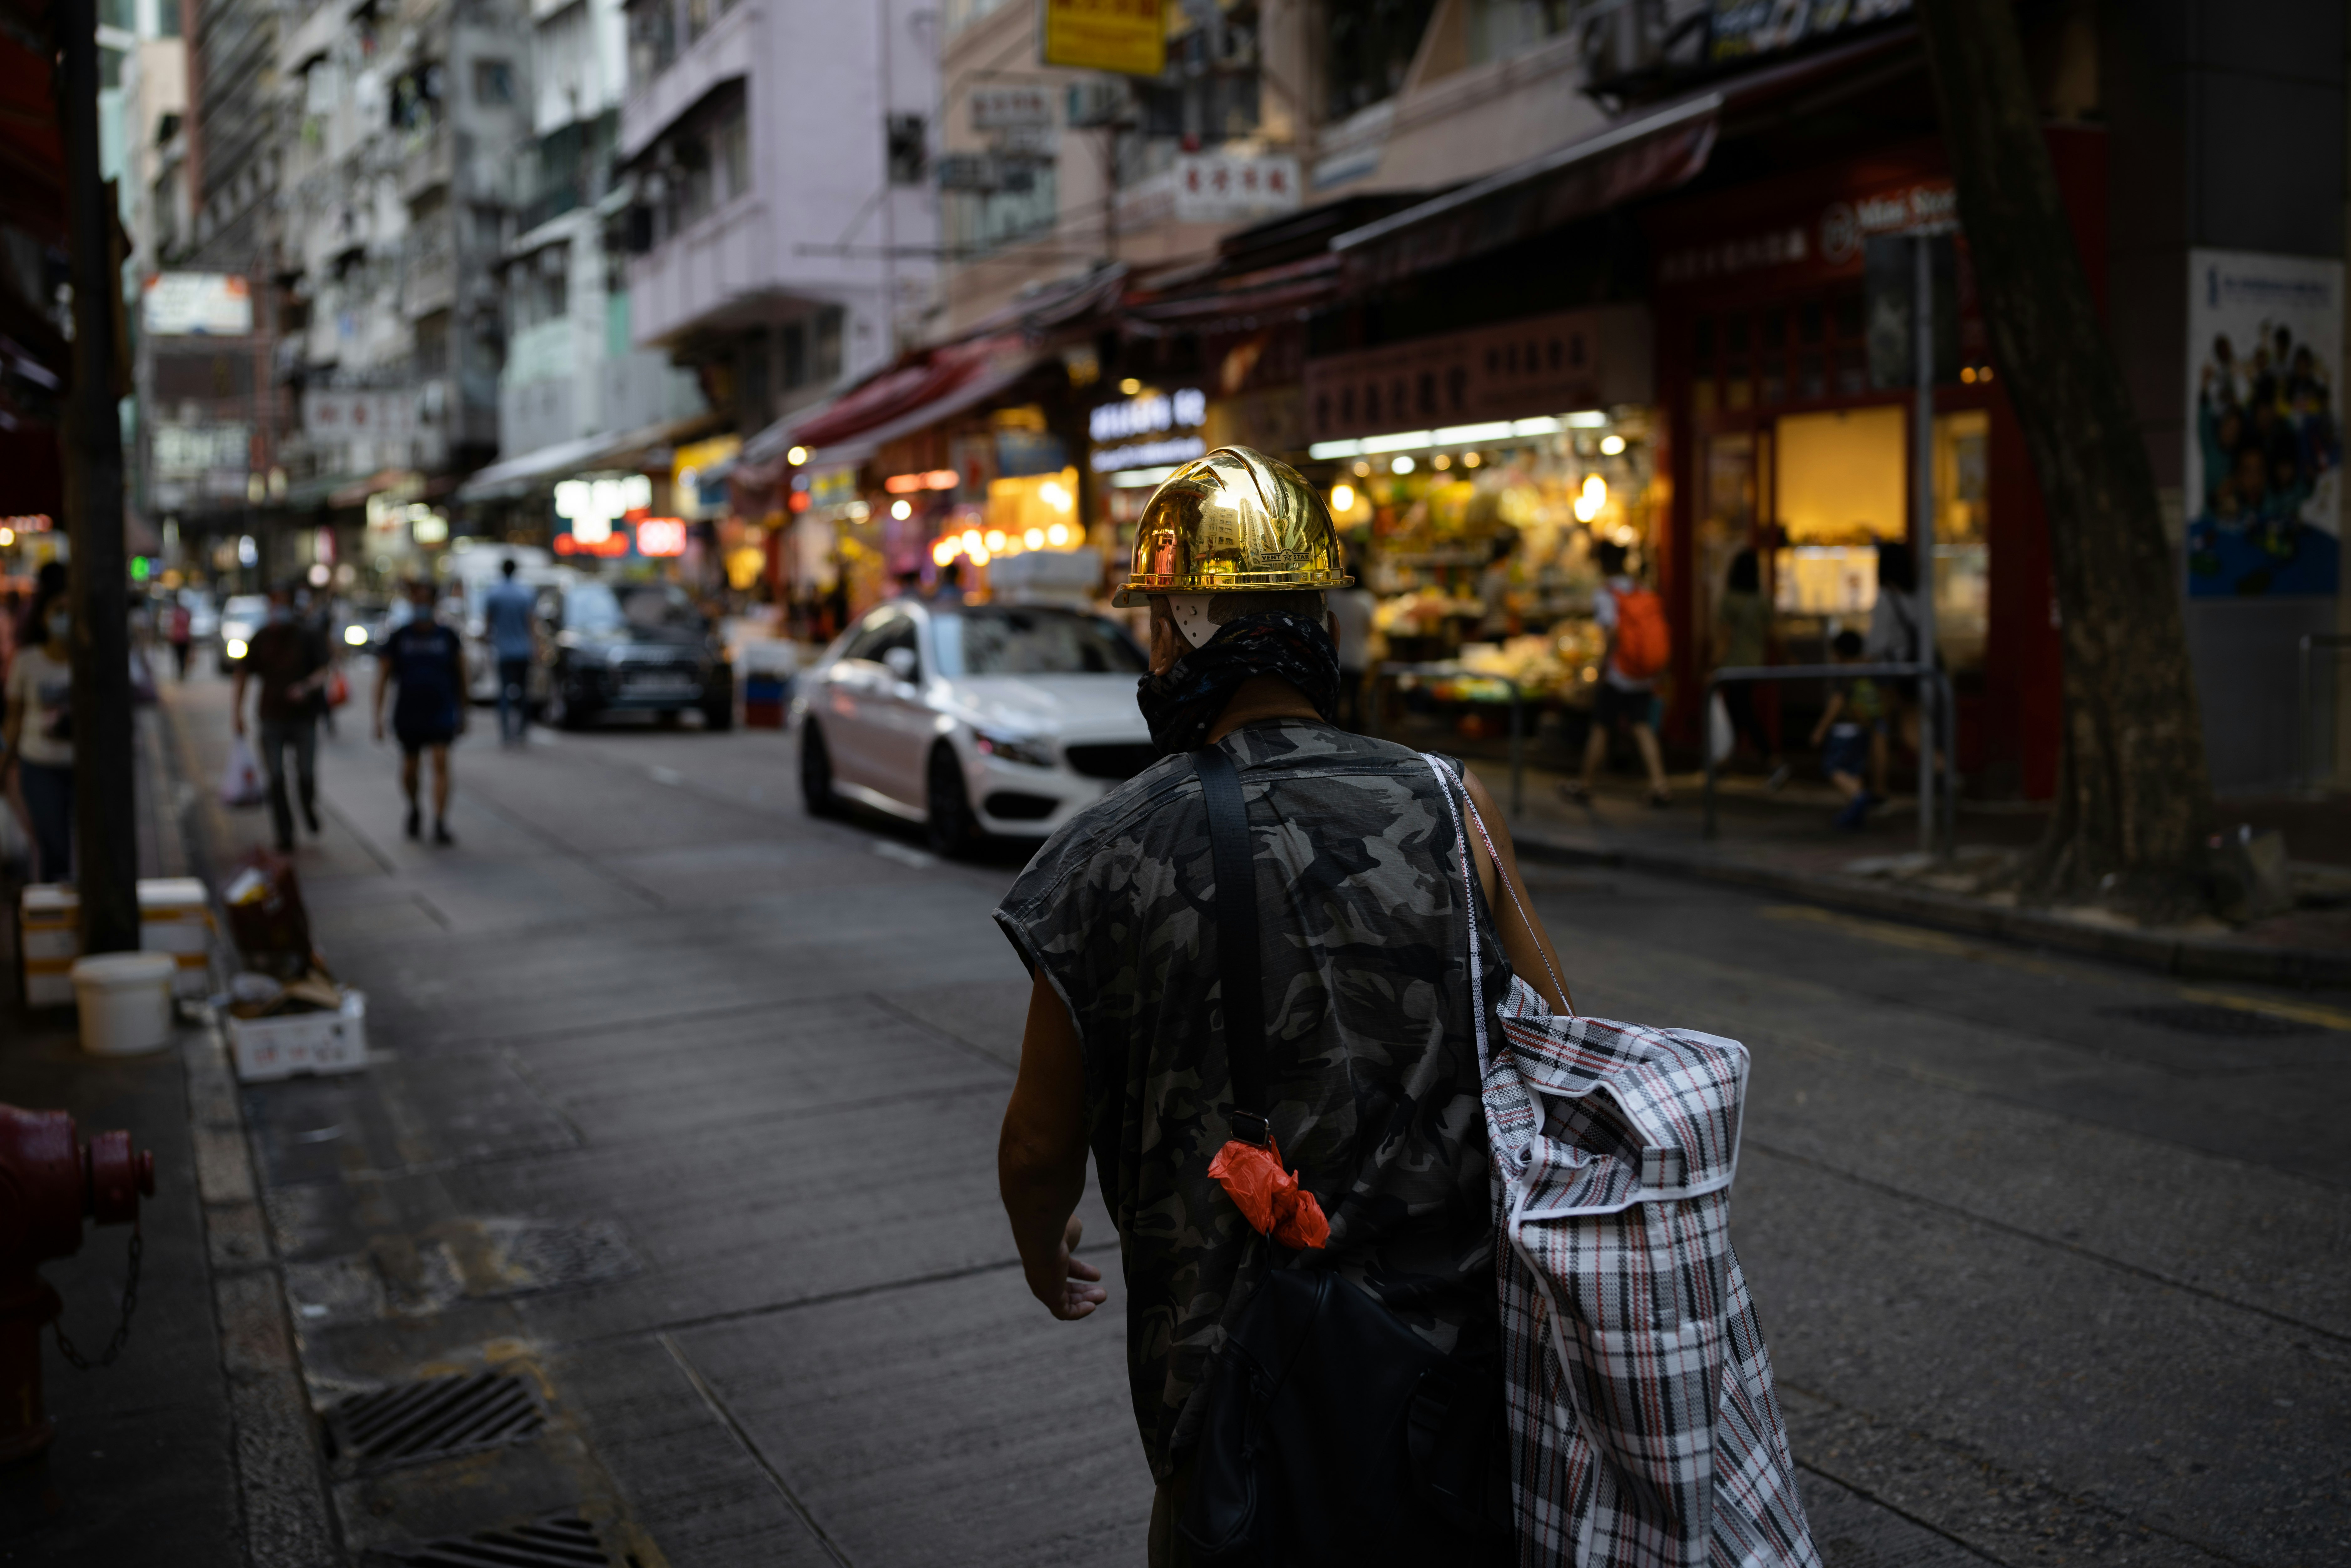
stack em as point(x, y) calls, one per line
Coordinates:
point(1645, 643)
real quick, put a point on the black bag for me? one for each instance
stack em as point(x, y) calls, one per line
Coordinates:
point(1333, 1433)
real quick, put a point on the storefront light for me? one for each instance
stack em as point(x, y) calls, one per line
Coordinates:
point(355, 635)
point(1139, 479)
point(1584, 419)
point(1471, 459)
point(1440, 463)
point(977, 557)
point(995, 540)
point(1130, 386)
point(945, 551)
point(1058, 536)
point(1343, 498)
point(1402, 441)
point(1612, 446)
point(796, 456)
point(1591, 500)
point(1053, 496)
point(1362, 470)
point(1400, 465)
point(1323, 450)
point(1034, 539)
point(901, 510)
point(1465, 435)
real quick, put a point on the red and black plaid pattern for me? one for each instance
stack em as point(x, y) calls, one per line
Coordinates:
point(1644, 1432)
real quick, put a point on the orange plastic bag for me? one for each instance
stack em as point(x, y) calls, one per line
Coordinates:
point(1269, 1196)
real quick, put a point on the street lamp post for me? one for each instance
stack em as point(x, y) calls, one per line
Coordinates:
point(106, 843)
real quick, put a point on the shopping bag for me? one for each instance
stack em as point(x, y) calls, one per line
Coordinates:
point(338, 690)
point(241, 780)
point(1722, 740)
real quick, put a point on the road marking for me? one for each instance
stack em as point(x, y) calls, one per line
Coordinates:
point(2300, 1012)
point(1917, 938)
point(666, 774)
point(889, 850)
point(1924, 940)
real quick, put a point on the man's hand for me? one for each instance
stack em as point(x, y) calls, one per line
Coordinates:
point(1067, 1284)
point(379, 729)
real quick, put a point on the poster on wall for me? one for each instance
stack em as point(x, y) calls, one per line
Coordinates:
point(2265, 451)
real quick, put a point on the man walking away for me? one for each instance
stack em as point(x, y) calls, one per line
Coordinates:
point(1639, 647)
point(507, 612)
point(1366, 1056)
point(179, 630)
point(426, 661)
point(286, 659)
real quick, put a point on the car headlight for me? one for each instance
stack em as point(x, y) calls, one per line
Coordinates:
point(235, 648)
point(1033, 753)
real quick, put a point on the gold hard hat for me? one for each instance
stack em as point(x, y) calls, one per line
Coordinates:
point(1235, 521)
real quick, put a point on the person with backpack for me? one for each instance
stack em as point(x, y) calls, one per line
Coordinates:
point(1640, 646)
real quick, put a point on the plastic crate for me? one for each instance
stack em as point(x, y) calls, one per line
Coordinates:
point(175, 917)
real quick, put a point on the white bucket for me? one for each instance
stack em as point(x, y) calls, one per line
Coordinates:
point(126, 1002)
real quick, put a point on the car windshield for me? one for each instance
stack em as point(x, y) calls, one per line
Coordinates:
point(630, 607)
point(247, 607)
point(1021, 641)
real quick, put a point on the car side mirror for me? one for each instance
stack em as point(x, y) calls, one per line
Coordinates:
point(902, 662)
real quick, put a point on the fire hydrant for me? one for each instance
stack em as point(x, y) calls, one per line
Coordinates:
point(49, 1180)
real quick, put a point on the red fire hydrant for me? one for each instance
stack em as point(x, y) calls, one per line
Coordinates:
point(49, 1180)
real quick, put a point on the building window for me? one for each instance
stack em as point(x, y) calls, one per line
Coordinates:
point(795, 355)
point(433, 344)
point(492, 83)
point(653, 41)
point(828, 343)
point(730, 149)
point(908, 139)
point(1372, 44)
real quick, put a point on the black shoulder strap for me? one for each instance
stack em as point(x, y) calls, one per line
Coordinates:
point(1237, 940)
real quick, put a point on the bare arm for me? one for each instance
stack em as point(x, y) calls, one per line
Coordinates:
point(382, 684)
point(1040, 1159)
point(1524, 941)
point(1828, 716)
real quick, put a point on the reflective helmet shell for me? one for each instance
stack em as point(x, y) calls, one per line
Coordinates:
point(1235, 521)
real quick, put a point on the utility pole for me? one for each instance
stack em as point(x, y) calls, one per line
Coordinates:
point(106, 840)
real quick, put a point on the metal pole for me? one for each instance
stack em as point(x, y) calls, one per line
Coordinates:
point(1922, 522)
point(1713, 684)
point(106, 841)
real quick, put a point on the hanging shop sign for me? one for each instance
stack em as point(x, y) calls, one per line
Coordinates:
point(661, 537)
point(1011, 107)
point(1127, 37)
point(1802, 230)
point(1599, 358)
point(2265, 449)
point(1213, 188)
point(593, 505)
point(196, 305)
point(1744, 29)
point(1160, 419)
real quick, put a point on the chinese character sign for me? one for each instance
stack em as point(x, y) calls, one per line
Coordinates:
point(2265, 448)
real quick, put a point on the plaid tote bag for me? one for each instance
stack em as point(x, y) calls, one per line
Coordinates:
point(1644, 1429)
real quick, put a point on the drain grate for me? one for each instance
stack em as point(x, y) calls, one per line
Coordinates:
point(558, 1540)
point(2212, 1018)
point(433, 1419)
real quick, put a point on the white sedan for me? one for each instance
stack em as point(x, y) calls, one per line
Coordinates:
point(996, 718)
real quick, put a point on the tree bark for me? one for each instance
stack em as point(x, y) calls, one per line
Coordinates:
point(2134, 800)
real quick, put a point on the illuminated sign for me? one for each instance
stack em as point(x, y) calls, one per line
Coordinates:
point(661, 536)
point(593, 505)
point(907, 484)
point(613, 545)
point(1148, 454)
point(197, 304)
point(1185, 409)
point(1129, 37)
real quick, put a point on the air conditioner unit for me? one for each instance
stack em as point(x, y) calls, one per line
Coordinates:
point(1099, 101)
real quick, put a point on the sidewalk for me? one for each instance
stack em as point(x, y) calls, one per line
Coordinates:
point(1786, 843)
point(196, 1436)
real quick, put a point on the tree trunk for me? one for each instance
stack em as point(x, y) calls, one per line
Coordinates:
point(2134, 801)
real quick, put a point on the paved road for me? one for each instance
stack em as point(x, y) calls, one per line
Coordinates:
point(683, 1108)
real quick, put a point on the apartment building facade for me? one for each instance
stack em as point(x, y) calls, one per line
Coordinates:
point(781, 223)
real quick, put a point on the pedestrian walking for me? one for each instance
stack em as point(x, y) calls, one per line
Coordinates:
point(1850, 737)
point(426, 662)
point(1639, 646)
point(179, 630)
point(37, 743)
point(1893, 638)
point(1338, 855)
point(509, 615)
point(1742, 641)
point(284, 658)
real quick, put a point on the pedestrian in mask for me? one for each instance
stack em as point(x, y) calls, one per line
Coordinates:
point(291, 663)
point(1251, 998)
point(39, 734)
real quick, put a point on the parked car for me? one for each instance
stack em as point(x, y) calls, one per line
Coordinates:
point(240, 618)
point(204, 618)
point(991, 719)
point(633, 647)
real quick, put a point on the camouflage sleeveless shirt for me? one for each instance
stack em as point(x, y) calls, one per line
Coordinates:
point(1374, 1073)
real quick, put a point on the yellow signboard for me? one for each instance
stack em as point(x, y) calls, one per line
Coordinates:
point(1129, 37)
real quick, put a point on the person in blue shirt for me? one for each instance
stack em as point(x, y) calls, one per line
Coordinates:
point(507, 612)
point(426, 661)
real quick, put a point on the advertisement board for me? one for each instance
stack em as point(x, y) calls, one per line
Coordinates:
point(1129, 37)
point(1745, 28)
point(196, 305)
point(2263, 469)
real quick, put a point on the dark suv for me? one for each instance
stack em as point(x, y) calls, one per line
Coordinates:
point(633, 647)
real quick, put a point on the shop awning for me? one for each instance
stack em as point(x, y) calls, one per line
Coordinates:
point(852, 427)
point(1655, 151)
point(519, 476)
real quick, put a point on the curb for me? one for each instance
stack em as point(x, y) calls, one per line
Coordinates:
point(289, 1519)
point(2186, 956)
